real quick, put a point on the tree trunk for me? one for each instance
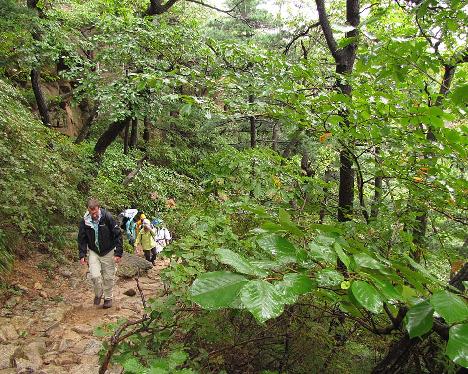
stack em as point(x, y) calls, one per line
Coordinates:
point(134, 133)
point(419, 231)
point(327, 178)
point(344, 60)
point(108, 137)
point(274, 137)
point(91, 115)
point(253, 128)
point(377, 186)
point(41, 103)
point(146, 131)
point(126, 140)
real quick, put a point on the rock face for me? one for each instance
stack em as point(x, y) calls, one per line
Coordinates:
point(132, 266)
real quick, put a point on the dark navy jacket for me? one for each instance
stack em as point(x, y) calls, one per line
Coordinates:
point(109, 236)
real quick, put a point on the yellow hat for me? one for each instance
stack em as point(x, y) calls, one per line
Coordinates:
point(142, 216)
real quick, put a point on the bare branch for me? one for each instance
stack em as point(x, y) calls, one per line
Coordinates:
point(300, 35)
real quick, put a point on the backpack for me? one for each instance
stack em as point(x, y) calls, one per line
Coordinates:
point(123, 225)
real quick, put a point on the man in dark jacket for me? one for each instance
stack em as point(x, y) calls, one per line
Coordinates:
point(100, 234)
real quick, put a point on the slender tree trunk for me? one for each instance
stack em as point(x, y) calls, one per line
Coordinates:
point(146, 131)
point(35, 75)
point(108, 137)
point(344, 60)
point(327, 178)
point(274, 137)
point(126, 139)
point(90, 116)
point(134, 133)
point(419, 230)
point(253, 128)
point(40, 100)
point(377, 186)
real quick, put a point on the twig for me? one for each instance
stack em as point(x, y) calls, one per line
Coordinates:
point(143, 300)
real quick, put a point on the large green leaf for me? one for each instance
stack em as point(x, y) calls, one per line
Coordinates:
point(294, 285)
point(278, 247)
point(216, 290)
point(329, 278)
point(386, 288)
point(262, 300)
point(367, 296)
point(419, 319)
point(366, 261)
point(320, 252)
point(449, 306)
point(341, 255)
point(239, 263)
point(457, 346)
point(285, 220)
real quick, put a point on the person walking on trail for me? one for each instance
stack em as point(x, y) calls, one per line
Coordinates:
point(141, 217)
point(162, 235)
point(145, 240)
point(99, 236)
point(129, 224)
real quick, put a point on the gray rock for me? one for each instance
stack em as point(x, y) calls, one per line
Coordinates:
point(7, 355)
point(83, 329)
point(34, 351)
point(25, 366)
point(132, 265)
point(7, 331)
point(92, 347)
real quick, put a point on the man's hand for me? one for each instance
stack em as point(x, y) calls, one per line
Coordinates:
point(83, 261)
point(117, 259)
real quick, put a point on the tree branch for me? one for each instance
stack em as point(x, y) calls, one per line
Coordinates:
point(326, 28)
point(300, 35)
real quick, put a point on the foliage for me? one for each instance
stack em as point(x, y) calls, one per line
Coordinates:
point(40, 173)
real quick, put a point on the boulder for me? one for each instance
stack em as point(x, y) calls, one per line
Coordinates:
point(7, 331)
point(132, 265)
point(7, 355)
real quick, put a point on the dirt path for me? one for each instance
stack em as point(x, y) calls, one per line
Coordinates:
point(48, 327)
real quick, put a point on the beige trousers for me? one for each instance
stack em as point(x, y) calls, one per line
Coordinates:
point(102, 270)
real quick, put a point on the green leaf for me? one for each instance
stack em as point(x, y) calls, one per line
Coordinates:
point(386, 288)
point(460, 94)
point(294, 285)
point(329, 278)
point(366, 261)
point(133, 366)
point(262, 300)
point(239, 263)
point(367, 296)
point(278, 247)
point(216, 290)
point(419, 319)
point(320, 252)
point(186, 109)
point(341, 255)
point(285, 221)
point(457, 346)
point(449, 306)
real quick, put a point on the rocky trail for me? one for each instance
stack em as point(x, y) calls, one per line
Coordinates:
point(48, 326)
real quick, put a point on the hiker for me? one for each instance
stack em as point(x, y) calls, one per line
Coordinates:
point(162, 235)
point(129, 224)
point(141, 216)
point(145, 240)
point(100, 234)
point(130, 229)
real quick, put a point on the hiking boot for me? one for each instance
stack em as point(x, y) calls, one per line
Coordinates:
point(97, 300)
point(107, 304)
